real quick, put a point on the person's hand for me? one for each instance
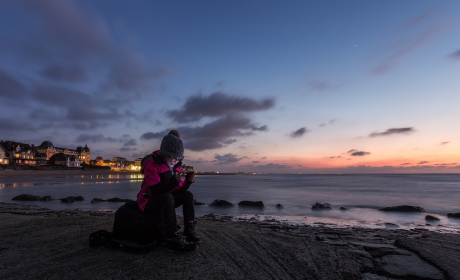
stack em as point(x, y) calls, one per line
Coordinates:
point(180, 176)
point(190, 177)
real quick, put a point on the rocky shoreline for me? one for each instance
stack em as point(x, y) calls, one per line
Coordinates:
point(42, 243)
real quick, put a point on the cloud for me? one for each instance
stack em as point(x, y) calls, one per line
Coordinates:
point(140, 154)
point(444, 143)
point(423, 162)
point(330, 122)
point(216, 134)
point(226, 159)
point(70, 28)
point(198, 161)
point(154, 135)
point(68, 73)
point(299, 132)
point(72, 66)
point(391, 131)
point(406, 163)
point(360, 153)
point(11, 88)
point(217, 104)
point(99, 138)
point(256, 161)
point(355, 153)
point(96, 138)
point(15, 124)
point(131, 142)
point(124, 149)
point(322, 86)
point(416, 33)
point(455, 55)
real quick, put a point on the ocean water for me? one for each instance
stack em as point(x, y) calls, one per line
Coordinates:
point(363, 195)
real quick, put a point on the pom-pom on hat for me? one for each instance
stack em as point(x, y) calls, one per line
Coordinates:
point(172, 145)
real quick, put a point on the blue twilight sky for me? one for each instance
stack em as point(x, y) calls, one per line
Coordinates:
point(264, 86)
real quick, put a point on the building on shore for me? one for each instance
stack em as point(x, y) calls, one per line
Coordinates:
point(17, 153)
point(120, 162)
point(82, 153)
point(4, 156)
point(65, 160)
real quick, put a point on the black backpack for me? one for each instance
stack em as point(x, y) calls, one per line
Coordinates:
point(134, 225)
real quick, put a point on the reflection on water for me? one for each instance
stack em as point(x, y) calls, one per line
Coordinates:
point(15, 185)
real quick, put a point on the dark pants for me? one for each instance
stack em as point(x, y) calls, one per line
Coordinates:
point(166, 204)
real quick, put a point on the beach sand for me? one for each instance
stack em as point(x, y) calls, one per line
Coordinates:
point(38, 243)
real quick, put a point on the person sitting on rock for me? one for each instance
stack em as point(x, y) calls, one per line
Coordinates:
point(165, 188)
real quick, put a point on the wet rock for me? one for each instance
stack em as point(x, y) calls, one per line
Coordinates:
point(360, 252)
point(368, 265)
point(372, 246)
point(221, 202)
point(68, 199)
point(27, 197)
point(381, 252)
point(198, 203)
point(343, 208)
point(96, 200)
point(116, 199)
point(408, 267)
point(453, 215)
point(321, 206)
point(47, 198)
point(248, 203)
point(391, 225)
point(431, 218)
point(79, 198)
point(279, 206)
point(404, 208)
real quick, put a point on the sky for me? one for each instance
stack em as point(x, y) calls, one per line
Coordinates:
point(252, 86)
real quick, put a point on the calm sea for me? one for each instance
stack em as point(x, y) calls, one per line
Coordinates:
point(363, 195)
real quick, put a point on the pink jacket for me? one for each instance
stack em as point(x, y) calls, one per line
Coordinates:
point(158, 179)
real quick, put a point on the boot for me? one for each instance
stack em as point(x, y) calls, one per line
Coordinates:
point(190, 233)
point(178, 244)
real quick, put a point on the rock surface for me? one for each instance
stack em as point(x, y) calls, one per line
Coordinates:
point(404, 208)
point(248, 203)
point(116, 199)
point(453, 215)
point(431, 218)
point(221, 202)
point(47, 198)
point(198, 203)
point(26, 197)
point(321, 206)
point(248, 249)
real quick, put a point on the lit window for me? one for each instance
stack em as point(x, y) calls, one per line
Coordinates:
point(17, 155)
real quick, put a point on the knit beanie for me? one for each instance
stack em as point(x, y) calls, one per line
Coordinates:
point(172, 145)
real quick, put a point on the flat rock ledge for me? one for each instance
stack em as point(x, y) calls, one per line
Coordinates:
point(383, 254)
point(333, 253)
